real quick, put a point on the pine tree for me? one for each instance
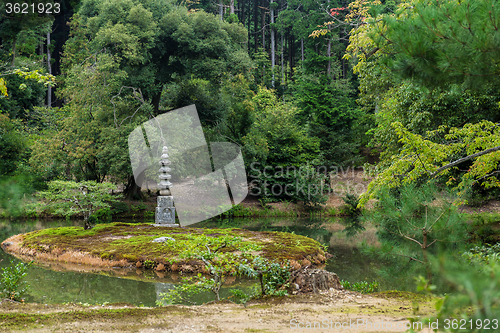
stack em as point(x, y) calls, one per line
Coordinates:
point(440, 42)
point(415, 223)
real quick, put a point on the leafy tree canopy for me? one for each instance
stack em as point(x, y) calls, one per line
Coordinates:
point(156, 41)
point(422, 158)
point(69, 198)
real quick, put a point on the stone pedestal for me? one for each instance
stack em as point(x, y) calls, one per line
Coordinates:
point(165, 212)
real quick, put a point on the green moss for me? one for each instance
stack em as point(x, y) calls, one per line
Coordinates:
point(27, 321)
point(134, 242)
point(260, 306)
point(402, 295)
point(130, 257)
point(106, 255)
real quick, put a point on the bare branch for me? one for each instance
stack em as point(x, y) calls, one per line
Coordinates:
point(439, 217)
point(434, 241)
point(463, 159)
point(408, 237)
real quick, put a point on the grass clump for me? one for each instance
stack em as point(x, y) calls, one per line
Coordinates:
point(363, 287)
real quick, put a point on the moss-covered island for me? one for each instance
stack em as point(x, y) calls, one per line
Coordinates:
point(130, 244)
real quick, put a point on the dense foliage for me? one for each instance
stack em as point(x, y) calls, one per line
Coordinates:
point(434, 88)
point(123, 62)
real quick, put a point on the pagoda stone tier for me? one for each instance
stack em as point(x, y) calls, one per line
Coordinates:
point(165, 210)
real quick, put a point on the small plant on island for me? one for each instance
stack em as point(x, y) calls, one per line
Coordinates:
point(272, 276)
point(217, 263)
point(12, 285)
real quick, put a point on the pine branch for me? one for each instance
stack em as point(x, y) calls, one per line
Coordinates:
point(439, 217)
point(434, 241)
point(414, 227)
point(404, 236)
point(411, 258)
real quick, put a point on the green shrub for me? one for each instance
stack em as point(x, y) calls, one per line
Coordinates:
point(139, 207)
point(351, 205)
point(474, 297)
point(486, 234)
point(149, 214)
point(68, 198)
point(120, 207)
point(103, 215)
point(363, 287)
point(239, 211)
point(218, 264)
point(149, 264)
point(483, 254)
point(303, 184)
point(273, 277)
point(11, 284)
point(11, 196)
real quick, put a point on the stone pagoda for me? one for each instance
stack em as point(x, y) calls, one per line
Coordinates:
point(165, 210)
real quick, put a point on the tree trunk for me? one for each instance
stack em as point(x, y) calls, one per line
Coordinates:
point(231, 7)
point(344, 74)
point(132, 190)
point(290, 53)
point(241, 12)
point(282, 59)
point(426, 259)
point(263, 19)
point(273, 55)
point(221, 10)
point(255, 23)
point(14, 51)
point(156, 103)
point(343, 69)
point(328, 54)
point(302, 49)
point(49, 65)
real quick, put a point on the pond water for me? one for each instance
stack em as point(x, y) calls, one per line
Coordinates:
point(138, 287)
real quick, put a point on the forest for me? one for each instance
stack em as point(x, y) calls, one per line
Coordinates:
point(404, 91)
point(411, 107)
